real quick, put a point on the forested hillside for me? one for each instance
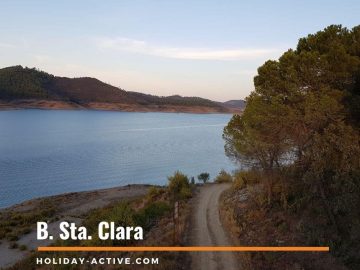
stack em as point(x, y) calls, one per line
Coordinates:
point(299, 135)
point(29, 83)
point(235, 103)
point(19, 82)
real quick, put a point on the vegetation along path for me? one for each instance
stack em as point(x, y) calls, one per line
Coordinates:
point(207, 230)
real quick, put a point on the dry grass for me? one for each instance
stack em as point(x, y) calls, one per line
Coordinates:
point(14, 224)
point(153, 211)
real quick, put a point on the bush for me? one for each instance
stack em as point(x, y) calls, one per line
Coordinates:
point(223, 177)
point(148, 216)
point(154, 192)
point(238, 183)
point(179, 187)
point(123, 214)
point(14, 224)
point(12, 237)
point(245, 178)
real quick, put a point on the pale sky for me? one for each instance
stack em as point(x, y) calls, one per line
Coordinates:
point(207, 48)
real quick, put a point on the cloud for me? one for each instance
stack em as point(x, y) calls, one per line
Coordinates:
point(142, 47)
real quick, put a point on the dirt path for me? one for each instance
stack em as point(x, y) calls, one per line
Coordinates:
point(207, 230)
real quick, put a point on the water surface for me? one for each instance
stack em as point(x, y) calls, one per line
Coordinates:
point(45, 152)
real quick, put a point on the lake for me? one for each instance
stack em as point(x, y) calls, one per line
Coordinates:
point(48, 152)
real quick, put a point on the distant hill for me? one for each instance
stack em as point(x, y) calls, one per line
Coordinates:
point(238, 104)
point(26, 87)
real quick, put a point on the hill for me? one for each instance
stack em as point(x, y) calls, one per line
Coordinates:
point(31, 88)
point(236, 104)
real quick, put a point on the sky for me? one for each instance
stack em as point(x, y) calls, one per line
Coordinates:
point(210, 49)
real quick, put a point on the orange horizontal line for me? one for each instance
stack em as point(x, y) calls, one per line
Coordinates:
point(196, 248)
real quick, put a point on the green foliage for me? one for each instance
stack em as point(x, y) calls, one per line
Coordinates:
point(154, 192)
point(204, 177)
point(23, 247)
point(19, 82)
point(123, 214)
point(29, 83)
point(14, 224)
point(148, 216)
point(179, 187)
point(223, 177)
point(176, 100)
point(300, 129)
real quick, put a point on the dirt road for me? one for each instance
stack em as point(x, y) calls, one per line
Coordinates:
point(207, 230)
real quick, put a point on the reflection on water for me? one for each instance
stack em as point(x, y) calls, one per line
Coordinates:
point(51, 152)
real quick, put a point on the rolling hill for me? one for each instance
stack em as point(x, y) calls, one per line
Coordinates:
point(31, 88)
point(237, 104)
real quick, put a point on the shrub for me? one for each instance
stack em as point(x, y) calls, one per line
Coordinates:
point(148, 216)
point(238, 183)
point(120, 213)
point(223, 177)
point(245, 178)
point(154, 192)
point(179, 187)
point(23, 247)
point(12, 237)
point(123, 214)
point(14, 224)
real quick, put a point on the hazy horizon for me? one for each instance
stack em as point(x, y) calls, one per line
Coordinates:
point(208, 49)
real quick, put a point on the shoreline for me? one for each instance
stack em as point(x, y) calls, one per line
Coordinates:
point(102, 106)
point(28, 203)
point(72, 207)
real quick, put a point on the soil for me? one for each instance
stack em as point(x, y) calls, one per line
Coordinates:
point(207, 230)
point(63, 105)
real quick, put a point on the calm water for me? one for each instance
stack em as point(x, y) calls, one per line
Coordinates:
point(51, 152)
